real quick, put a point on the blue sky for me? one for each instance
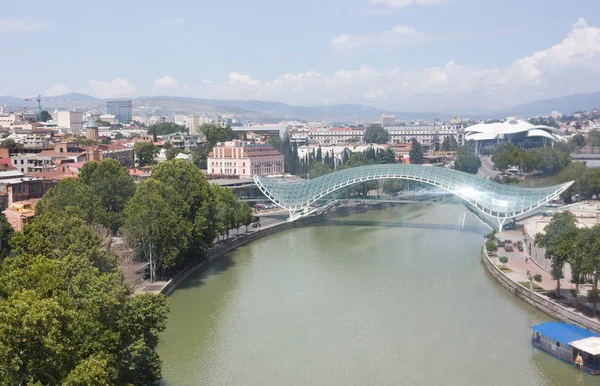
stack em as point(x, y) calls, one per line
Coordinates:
point(396, 54)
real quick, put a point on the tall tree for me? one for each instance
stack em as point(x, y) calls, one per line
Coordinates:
point(189, 182)
point(155, 220)
point(69, 193)
point(588, 245)
point(466, 159)
point(112, 185)
point(319, 169)
point(319, 155)
point(145, 152)
point(416, 153)
point(6, 233)
point(376, 134)
point(558, 241)
point(66, 315)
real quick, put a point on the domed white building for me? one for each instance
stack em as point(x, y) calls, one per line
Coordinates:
point(522, 134)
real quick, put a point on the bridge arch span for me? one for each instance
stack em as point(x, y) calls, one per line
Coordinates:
point(496, 200)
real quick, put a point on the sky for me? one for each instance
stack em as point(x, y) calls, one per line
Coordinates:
point(402, 55)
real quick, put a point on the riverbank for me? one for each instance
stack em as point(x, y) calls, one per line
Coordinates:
point(537, 300)
point(167, 288)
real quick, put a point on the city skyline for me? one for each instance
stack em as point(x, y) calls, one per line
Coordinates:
point(430, 54)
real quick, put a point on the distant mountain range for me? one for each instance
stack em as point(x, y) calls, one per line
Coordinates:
point(271, 112)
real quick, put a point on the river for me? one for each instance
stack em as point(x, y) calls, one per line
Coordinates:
point(391, 297)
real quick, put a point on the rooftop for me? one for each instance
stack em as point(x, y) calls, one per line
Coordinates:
point(563, 332)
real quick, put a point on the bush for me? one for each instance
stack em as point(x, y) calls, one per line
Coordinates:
point(503, 260)
point(590, 295)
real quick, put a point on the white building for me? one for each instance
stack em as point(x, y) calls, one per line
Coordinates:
point(71, 121)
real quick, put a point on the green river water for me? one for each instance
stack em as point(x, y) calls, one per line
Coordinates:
point(391, 297)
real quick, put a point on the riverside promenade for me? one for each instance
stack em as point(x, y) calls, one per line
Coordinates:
point(513, 276)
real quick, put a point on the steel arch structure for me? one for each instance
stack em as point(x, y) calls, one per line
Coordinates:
point(498, 201)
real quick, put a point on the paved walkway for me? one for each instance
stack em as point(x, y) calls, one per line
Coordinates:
point(519, 263)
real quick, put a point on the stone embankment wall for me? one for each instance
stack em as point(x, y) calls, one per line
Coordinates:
point(244, 239)
point(551, 308)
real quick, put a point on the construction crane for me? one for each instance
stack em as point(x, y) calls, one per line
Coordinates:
point(39, 101)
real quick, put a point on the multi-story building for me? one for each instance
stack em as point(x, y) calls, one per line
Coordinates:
point(20, 213)
point(115, 151)
point(398, 134)
point(193, 123)
point(15, 186)
point(241, 159)
point(72, 121)
point(32, 163)
point(388, 120)
point(121, 109)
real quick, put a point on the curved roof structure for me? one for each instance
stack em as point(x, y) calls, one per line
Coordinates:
point(497, 130)
point(493, 199)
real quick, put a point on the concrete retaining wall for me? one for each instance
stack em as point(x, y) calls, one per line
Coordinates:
point(551, 308)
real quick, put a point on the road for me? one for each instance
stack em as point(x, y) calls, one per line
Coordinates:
point(487, 167)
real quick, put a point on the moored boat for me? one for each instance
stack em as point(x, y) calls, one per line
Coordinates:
point(569, 343)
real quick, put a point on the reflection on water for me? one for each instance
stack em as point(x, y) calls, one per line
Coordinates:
point(397, 296)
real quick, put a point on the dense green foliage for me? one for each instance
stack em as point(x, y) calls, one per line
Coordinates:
point(172, 152)
point(466, 159)
point(164, 128)
point(10, 144)
point(46, 116)
point(557, 240)
point(145, 153)
point(319, 169)
point(112, 186)
point(449, 144)
point(376, 134)
point(416, 153)
point(543, 159)
point(586, 181)
point(66, 314)
point(6, 233)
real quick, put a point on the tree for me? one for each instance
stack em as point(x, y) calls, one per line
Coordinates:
point(446, 144)
point(165, 128)
point(466, 160)
point(72, 195)
point(145, 152)
point(436, 142)
point(155, 221)
point(416, 153)
point(588, 245)
point(119, 136)
point(112, 185)
point(503, 260)
point(319, 157)
point(319, 169)
point(245, 213)
point(46, 116)
point(558, 241)
point(392, 186)
point(538, 278)
point(216, 133)
point(66, 315)
point(225, 208)
point(376, 134)
point(491, 246)
point(6, 233)
point(193, 187)
point(172, 153)
point(10, 144)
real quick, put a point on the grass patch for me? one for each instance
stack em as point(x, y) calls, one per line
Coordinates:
point(504, 269)
point(536, 288)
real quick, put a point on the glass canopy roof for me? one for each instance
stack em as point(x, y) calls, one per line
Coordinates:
point(491, 198)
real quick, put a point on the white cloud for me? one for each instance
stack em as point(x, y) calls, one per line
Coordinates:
point(237, 78)
point(115, 88)
point(58, 89)
point(166, 82)
point(399, 34)
point(567, 67)
point(402, 3)
point(169, 23)
point(21, 24)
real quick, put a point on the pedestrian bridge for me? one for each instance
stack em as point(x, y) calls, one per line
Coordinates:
point(496, 200)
